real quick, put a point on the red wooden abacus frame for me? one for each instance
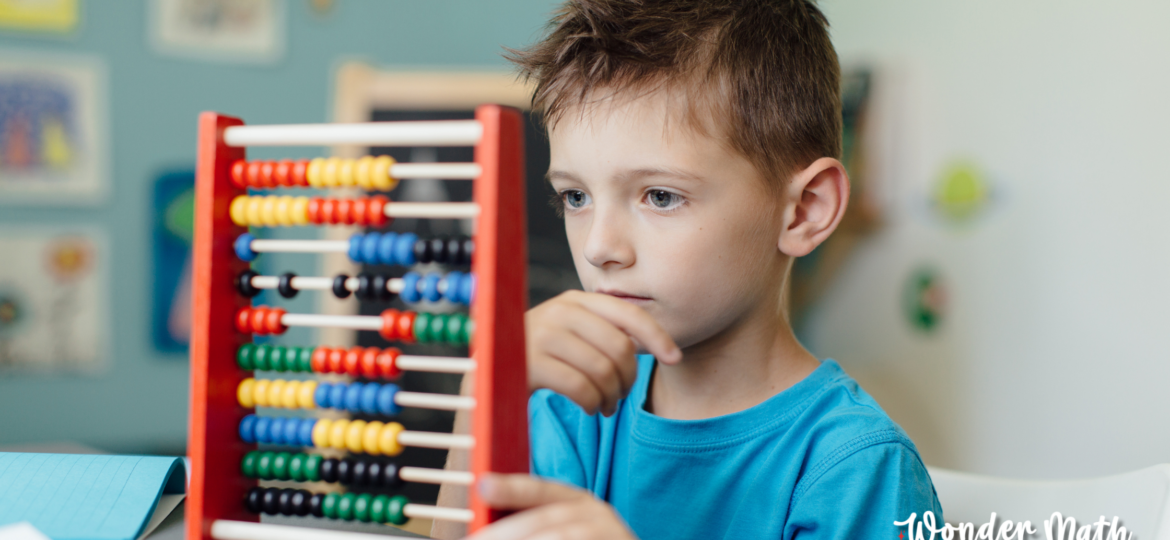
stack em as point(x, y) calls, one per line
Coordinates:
point(499, 421)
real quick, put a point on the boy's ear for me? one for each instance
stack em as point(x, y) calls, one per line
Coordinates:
point(815, 201)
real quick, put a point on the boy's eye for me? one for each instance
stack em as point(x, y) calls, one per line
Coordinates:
point(661, 198)
point(574, 198)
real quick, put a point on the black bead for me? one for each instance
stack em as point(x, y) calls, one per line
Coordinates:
point(285, 287)
point(422, 252)
point(374, 474)
point(270, 501)
point(467, 251)
point(328, 470)
point(315, 505)
point(364, 291)
point(390, 477)
point(339, 289)
point(454, 251)
point(345, 471)
point(252, 501)
point(244, 284)
point(439, 250)
point(381, 292)
point(284, 502)
point(300, 502)
point(359, 472)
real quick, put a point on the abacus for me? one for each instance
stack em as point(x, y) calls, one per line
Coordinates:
point(231, 376)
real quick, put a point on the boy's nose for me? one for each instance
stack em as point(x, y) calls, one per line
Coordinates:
point(608, 243)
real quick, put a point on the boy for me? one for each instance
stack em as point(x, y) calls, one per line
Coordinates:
point(693, 150)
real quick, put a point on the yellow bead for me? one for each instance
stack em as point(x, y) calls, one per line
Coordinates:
point(321, 432)
point(239, 210)
point(361, 172)
point(255, 206)
point(244, 393)
point(345, 176)
point(337, 433)
point(300, 211)
point(281, 210)
point(380, 174)
point(288, 398)
point(275, 392)
point(388, 439)
point(268, 211)
point(260, 392)
point(329, 172)
point(305, 395)
point(370, 437)
point(313, 174)
point(353, 435)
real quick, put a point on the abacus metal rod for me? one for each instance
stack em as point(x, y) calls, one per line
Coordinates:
point(314, 283)
point(428, 439)
point(436, 171)
point(436, 476)
point(353, 322)
point(444, 402)
point(223, 529)
point(300, 246)
point(445, 513)
point(435, 364)
point(423, 210)
point(431, 133)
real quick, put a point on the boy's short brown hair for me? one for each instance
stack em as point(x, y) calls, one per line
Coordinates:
point(764, 70)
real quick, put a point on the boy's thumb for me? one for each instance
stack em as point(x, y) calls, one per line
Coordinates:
point(521, 491)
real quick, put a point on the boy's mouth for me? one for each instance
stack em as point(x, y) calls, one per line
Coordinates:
point(622, 295)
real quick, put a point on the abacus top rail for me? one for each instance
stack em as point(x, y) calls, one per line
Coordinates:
point(432, 133)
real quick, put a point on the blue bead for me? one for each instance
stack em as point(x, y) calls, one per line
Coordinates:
point(292, 427)
point(337, 396)
point(386, 248)
point(244, 247)
point(386, 403)
point(370, 248)
point(263, 433)
point(321, 395)
point(454, 280)
point(404, 249)
point(353, 397)
point(305, 432)
point(248, 429)
point(276, 431)
point(369, 400)
point(430, 287)
point(409, 292)
point(467, 289)
point(355, 248)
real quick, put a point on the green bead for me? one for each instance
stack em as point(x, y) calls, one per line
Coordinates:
point(264, 466)
point(277, 360)
point(305, 359)
point(394, 510)
point(280, 465)
point(261, 357)
point(296, 467)
point(438, 323)
point(378, 508)
point(329, 505)
point(313, 467)
point(468, 331)
point(453, 331)
point(345, 506)
point(422, 327)
point(248, 465)
point(244, 356)
point(361, 507)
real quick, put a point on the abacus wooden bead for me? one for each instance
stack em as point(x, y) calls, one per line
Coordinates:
point(298, 172)
point(299, 210)
point(238, 210)
point(411, 292)
point(313, 467)
point(388, 363)
point(345, 506)
point(276, 358)
point(283, 210)
point(380, 174)
point(337, 433)
point(252, 210)
point(247, 429)
point(252, 174)
point(389, 476)
point(389, 330)
point(421, 330)
point(321, 432)
point(313, 173)
point(305, 359)
point(345, 173)
point(296, 467)
point(315, 503)
point(264, 466)
point(388, 440)
point(375, 211)
point(361, 507)
point(370, 436)
point(328, 470)
point(331, 176)
point(256, 321)
point(313, 210)
point(289, 395)
point(260, 392)
point(275, 393)
point(267, 168)
point(238, 174)
point(262, 357)
point(252, 500)
point(361, 172)
point(245, 392)
point(336, 360)
point(306, 395)
point(329, 505)
point(320, 360)
point(248, 464)
point(280, 465)
point(344, 212)
point(282, 172)
point(385, 400)
point(396, 510)
point(423, 252)
point(405, 326)
point(345, 470)
point(369, 362)
point(273, 321)
point(378, 508)
point(298, 503)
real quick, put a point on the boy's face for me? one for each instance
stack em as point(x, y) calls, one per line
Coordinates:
point(666, 218)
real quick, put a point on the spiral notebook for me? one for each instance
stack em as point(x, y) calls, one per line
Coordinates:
point(89, 497)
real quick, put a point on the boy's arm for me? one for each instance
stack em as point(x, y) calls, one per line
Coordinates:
point(862, 495)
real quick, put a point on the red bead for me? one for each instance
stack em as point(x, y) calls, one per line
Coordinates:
point(353, 362)
point(244, 320)
point(320, 360)
point(375, 211)
point(300, 171)
point(266, 177)
point(329, 211)
point(358, 211)
point(272, 323)
point(370, 362)
point(253, 174)
point(314, 209)
point(337, 361)
point(388, 363)
point(389, 331)
point(345, 211)
point(280, 172)
point(405, 327)
point(256, 321)
point(238, 174)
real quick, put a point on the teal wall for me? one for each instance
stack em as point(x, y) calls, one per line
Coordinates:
point(140, 403)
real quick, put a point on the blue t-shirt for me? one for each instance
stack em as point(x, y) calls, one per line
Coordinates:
point(819, 460)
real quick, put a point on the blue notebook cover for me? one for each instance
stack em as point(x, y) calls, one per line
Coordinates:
point(86, 497)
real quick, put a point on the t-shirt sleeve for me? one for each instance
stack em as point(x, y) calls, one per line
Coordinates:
point(861, 494)
point(555, 432)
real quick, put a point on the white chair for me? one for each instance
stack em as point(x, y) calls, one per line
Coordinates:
point(1140, 499)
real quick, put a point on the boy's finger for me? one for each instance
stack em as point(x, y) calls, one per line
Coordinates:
point(634, 321)
point(569, 382)
point(613, 343)
point(547, 521)
point(600, 370)
point(522, 491)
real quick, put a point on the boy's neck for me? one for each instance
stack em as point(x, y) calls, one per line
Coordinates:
point(735, 370)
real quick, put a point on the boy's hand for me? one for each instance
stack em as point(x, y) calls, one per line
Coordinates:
point(583, 346)
point(547, 510)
